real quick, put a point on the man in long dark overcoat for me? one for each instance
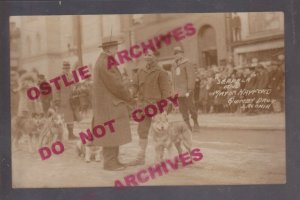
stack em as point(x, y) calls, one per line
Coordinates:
point(110, 99)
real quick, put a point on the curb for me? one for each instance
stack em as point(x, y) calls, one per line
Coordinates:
point(256, 128)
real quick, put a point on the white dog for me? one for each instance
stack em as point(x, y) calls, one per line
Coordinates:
point(88, 151)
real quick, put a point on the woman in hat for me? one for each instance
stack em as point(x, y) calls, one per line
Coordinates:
point(27, 81)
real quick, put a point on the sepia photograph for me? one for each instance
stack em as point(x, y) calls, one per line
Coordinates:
point(166, 99)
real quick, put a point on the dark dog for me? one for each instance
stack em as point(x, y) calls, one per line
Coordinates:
point(54, 128)
point(25, 125)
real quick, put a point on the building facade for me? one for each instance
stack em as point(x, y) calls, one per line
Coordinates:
point(47, 41)
point(14, 43)
point(44, 42)
point(262, 37)
point(206, 48)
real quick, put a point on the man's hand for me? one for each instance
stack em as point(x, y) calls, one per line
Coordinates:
point(188, 93)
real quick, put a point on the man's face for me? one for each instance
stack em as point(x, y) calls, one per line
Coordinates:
point(239, 72)
point(149, 57)
point(246, 71)
point(66, 70)
point(280, 57)
point(13, 77)
point(113, 49)
point(178, 55)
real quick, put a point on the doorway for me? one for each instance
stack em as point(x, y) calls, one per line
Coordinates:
point(208, 54)
point(210, 57)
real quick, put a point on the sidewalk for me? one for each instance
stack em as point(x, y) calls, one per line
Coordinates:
point(274, 121)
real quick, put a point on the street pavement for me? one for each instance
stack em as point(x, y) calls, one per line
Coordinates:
point(251, 152)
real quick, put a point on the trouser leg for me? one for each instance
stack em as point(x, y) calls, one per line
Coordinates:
point(110, 158)
point(143, 132)
point(193, 111)
point(143, 128)
point(183, 108)
point(192, 108)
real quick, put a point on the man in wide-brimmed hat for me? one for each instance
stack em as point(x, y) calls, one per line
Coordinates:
point(27, 80)
point(110, 99)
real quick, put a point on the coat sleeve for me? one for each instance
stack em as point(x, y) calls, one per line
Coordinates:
point(112, 80)
point(164, 84)
point(135, 84)
point(191, 76)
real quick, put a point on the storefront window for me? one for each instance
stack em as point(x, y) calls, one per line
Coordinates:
point(264, 21)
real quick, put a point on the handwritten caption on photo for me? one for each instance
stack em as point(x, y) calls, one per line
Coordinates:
point(258, 98)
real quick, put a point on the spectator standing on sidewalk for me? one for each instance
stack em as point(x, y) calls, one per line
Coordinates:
point(62, 99)
point(45, 99)
point(183, 75)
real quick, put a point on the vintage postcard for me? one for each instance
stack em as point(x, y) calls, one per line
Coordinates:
point(162, 99)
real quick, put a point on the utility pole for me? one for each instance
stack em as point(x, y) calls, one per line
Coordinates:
point(79, 40)
point(228, 31)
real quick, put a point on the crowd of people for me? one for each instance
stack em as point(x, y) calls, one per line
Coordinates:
point(255, 75)
point(68, 102)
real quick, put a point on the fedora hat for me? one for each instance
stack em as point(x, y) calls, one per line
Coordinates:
point(109, 41)
point(178, 49)
point(66, 65)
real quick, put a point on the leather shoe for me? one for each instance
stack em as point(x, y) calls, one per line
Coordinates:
point(114, 167)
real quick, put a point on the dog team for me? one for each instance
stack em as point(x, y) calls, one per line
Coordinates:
point(151, 84)
point(111, 98)
point(40, 122)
